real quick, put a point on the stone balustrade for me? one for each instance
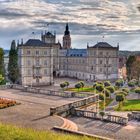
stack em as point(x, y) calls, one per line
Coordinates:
point(69, 108)
point(94, 115)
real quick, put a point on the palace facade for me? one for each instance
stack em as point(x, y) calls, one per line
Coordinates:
point(41, 60)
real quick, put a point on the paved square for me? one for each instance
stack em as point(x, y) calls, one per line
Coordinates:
point(33, 111)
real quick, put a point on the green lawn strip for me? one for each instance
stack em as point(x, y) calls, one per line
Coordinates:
point(85, 89)
point(8, 132)
point(130, 105)
point(101, 104)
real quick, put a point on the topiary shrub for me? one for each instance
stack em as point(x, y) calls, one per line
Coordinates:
point(107, 83)
point(63, 85)
point(67, 84)
point(78, 85)
point(119, 83)
point(131, 84)
point(135, 81)
point(137, 90)
point(99, 87)
point(121, 92)
point(125, 90)
point(107, 92)
point(99, 82)
point(120, 98)
point(111, 89)
point(82, 84)
point(101, 96)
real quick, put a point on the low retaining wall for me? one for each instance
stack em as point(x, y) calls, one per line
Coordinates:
point(70, 107)
point(135, 115)
point(94, 115)
point(59, 129)
point(46, 92)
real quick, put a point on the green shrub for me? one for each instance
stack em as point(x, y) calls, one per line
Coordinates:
point(119, 83)
point(99, 82)
point(135, 81)
point(121, 92)
point(137, 90)
point(2, 80)
point(125, 90)
point(82, 84)
point(107, 92)
point(63, 85)
point(99, 87)
point(131, 84)
point(107, 83)
point(67, 84)
point(101, 96)
point(120, 98)
point(78, 85)
point(111, 89)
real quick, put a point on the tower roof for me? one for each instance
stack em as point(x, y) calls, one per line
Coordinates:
point(67, 32)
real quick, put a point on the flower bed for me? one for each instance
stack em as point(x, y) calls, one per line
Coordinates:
point(4, 103)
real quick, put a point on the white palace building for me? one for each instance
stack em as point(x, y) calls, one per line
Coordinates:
point(42, 60)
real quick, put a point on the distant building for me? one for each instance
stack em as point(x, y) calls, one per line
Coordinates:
point(35, 63)
point(41, 60)
point(122, 67)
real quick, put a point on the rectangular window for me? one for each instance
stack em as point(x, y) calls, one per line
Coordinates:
point(28, 52)
point(45, 71)
point(45, 52)
point(37, 52)
point(45, 62)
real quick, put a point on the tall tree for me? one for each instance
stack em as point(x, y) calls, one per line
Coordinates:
point(2, 62)
point(13, 71)
point(129, 63)
point(136, 70)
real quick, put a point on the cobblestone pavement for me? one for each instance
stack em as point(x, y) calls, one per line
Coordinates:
point(110, 130)
point(33, 111)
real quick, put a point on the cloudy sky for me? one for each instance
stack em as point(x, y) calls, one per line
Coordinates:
point(89, 20)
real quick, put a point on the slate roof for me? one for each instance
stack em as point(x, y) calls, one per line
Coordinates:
point(77, 52)
point(34, 42)
point(103, 45)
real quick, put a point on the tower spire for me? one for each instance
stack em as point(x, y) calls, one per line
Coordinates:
point(67, 38)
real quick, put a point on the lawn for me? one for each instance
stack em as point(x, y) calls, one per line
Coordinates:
point(4, 103)
point(131, 105)
point(101, 104)
point(84, 89)
point(8, 132)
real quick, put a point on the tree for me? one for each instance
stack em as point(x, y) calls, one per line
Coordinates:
point(107, 92)
point(99, 87)
point(136, 71)
point(125, 90)
point(111, 89)
point(78, 85)
point(13, 71)
point(107, 83)
point(102, 114)
point(82, 84)
point(1, 80)
point(101, 96)
point(2, 72)
point(131, 84)
point(120, 98)
point(137, 90)
point(67, 84)
point(119, 83)
point(63, 85)
point(129, 66)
